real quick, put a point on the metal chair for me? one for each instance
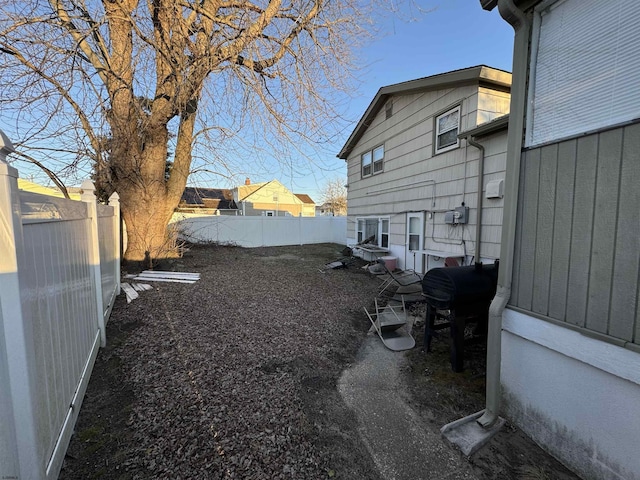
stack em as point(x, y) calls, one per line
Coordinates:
point(409, 284)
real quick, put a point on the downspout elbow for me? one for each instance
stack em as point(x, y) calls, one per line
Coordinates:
point(494, 355)
point(512, 14)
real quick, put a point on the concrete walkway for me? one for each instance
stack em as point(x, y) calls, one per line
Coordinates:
point(400, 443)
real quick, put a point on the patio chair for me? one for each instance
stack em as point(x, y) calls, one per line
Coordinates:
point(409, 284)
point(390, 323)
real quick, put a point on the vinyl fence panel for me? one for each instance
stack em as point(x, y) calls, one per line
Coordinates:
point(260, 231)
point(51, 317)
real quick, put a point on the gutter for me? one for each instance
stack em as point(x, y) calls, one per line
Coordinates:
point(522, 26)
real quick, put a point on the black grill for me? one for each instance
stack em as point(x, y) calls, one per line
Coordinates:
point(458, 294)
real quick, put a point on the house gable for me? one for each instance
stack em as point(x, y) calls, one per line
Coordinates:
point(414, 177)
point(493, 79)
point(272, 199)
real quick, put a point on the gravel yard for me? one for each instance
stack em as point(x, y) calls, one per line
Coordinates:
point(223, 378)
point(235, 377)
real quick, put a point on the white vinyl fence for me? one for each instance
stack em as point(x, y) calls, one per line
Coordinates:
point(261, 231)
point(57, 286)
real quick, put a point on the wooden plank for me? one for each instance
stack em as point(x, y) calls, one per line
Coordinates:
point(158, 279)
point(141, 287)
point(582, 230)
point(544, 230)
point(162, 274)
point(129, 291)
point(529, 219)
point(604, 227)
point(626, 263)
point(565, 186)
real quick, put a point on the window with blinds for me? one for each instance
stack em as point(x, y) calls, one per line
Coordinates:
point(585, 68)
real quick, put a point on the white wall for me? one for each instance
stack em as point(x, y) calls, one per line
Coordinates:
point(261, 231)
point(576, 396)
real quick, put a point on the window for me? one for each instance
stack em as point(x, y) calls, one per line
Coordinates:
point(376, 227)
point(378, 157)
point(373, 161)
point(366, 164)
point(415, 226)
point(384, 232)
point(447, 130)
point(583, 73)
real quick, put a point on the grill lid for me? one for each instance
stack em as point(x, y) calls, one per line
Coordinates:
point(447, 287)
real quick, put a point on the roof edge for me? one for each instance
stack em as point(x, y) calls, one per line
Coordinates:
point(487, 128)
point(479, 73)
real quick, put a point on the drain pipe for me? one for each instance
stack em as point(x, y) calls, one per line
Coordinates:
point(471, 141)
point(522, 26)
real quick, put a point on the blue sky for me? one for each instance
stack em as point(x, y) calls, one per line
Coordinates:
point(452, 34)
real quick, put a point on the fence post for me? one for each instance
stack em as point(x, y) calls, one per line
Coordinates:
point(114, 201)
point(19, 453)
point(89, 197)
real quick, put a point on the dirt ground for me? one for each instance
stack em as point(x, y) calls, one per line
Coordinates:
point(235, 377)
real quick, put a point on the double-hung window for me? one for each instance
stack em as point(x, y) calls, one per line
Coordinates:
point(376, 227)
point(446, 128)
point(373, 161)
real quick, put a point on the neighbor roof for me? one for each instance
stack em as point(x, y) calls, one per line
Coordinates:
point(304, 198)
point(197, 196)
point(479, 74)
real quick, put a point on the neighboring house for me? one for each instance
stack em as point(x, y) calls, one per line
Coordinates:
point(26, 185)
point(330, 209)
point(324, 210)
point(308, 205)
point(413, 159)
point(207, 201)
point(271, 199)
point(566, 318)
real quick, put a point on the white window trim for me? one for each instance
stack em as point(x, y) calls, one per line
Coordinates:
point(437, 133)
point(379, 231)
point(372, 163)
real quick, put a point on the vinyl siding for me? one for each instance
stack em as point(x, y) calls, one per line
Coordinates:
point(412, 175)
point(577, 257)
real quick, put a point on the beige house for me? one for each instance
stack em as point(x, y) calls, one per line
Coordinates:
point(413, 161)
point(271, 199)
point(26, 185)
point(308, 205)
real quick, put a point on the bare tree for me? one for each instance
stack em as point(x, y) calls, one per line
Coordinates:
point(334, 195)
point(165, 75)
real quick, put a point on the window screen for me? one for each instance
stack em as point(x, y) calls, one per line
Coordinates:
point(585, 68)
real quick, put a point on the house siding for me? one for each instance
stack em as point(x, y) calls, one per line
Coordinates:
point(413, 175)
point(578, 234)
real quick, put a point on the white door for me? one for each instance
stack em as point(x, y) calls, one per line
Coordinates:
point(414, 242)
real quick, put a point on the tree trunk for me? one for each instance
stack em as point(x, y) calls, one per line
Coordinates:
point(146, 217)
point(147, 197)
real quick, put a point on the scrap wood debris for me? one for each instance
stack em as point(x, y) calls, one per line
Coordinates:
point(160, 276)
point(131, 290)
point(155, 276)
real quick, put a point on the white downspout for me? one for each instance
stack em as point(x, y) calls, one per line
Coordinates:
point(480, 147)
point(522, 26)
